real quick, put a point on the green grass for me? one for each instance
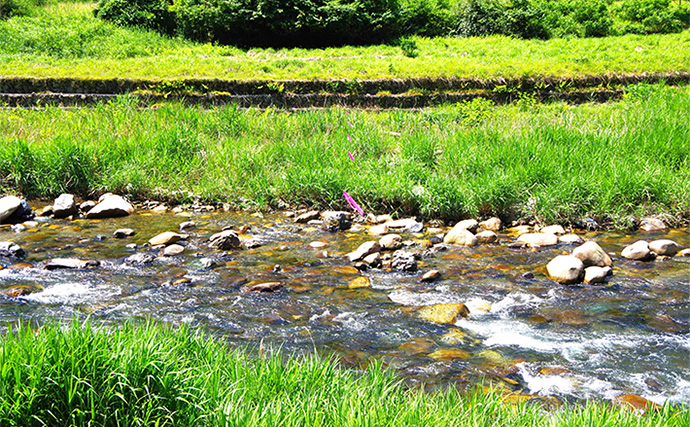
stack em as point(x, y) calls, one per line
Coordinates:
point(552, 162)
point(148, 375)
point(65, 40)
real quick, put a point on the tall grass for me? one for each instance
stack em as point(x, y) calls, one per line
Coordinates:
point(552, 162)
point(65, 40)
point(148, 375)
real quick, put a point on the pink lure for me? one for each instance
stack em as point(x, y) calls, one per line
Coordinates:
point(352, 203)
point(351, 157)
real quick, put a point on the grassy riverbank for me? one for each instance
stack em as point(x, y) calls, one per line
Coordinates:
point(553, 162)
point(149, 375)
point(65, 40)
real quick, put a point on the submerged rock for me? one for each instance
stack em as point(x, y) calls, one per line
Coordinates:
point(638, 251)
point(444, 313)
point(11, 250)
point(566, 269)
point(65, 206)
point(590, 253)
point(110, 206)
point(359, 282)
point(167, 238)
point(664, 247)
point(71, 264)
point(225, 240)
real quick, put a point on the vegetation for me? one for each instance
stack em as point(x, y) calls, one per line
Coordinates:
point(65, 40)
point(145, 375)
point(552, 162)
point(334, 23)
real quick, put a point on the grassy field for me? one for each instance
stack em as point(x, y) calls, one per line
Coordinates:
point(149, 375)
point(65, 40)
point(552, 162)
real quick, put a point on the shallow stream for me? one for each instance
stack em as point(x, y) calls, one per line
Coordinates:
point(631, 335)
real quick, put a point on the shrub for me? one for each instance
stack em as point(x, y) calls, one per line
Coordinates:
point(646, 17)
point(9, 8)
point(430, 18)
point(518, 19)
point(576, 18)
point(149, 14)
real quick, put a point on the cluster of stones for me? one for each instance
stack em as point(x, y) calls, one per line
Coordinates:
point(591, 264)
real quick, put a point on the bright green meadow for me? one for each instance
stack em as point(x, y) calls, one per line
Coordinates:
point(65, 40)
point(148, 375)
point(550, 162)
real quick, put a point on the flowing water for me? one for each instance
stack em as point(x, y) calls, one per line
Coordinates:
point(631, 335)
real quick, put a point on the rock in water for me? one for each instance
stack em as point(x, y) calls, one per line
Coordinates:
point(407, 225)
point(553, 229)
point(596, 274)
point(404, 261)
point(491, 224)
point(638, 251)
point(173, 250)
point(571, 239)
point(22, 214)
point(64, 206)
point(652, 224)
point(121, 233)
point(166, 238)
point(306, 217)
point(11, 250)
point(460, 236)
point(470, 225)
point(431, 276)
point(70, 263)
point(566, 269)
point(225, 240)
point(486, 237)
point(444, 313)
point(139, 259)
point(8, 205)
point(366, 248)
point(110, 206)
point(590, 253)
point(664, 247)
point(336, 221)
point(538, 239)
point(390, 242)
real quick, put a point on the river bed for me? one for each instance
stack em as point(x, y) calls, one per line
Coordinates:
point(525, 334)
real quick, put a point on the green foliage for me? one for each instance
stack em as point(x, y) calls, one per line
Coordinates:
point(647, 17)
point(147, 14)
point(520, 18)
point(466, 159)
point(9, 8)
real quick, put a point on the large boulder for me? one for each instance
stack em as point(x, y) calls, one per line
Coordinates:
point(470, 225)
point(8, 205)
point(664, 247)
point(366, 248)
point(590, 253)
point(538, 239)
point(638, 251)
point(566, 269)
point(486, 236)
point(460, 236)
point(110, 206)
point(23, 213)
point(11, 250)
point(64, 206)
point(225, 240)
